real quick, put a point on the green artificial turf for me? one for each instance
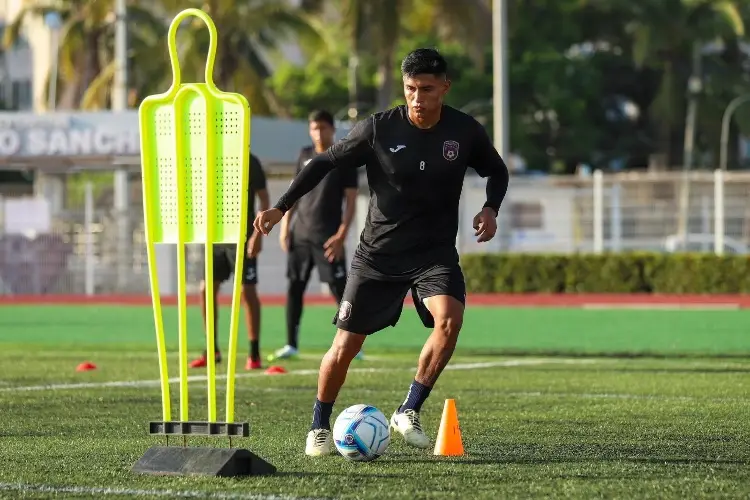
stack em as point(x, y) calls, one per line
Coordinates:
point(486, 329)
point(576, 425)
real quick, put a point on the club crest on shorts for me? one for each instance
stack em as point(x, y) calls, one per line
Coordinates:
point(450, 150)
point(345, 310)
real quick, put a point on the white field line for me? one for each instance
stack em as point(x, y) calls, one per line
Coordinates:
point(605, 395)
point(663, 307)
point(199, 378)
point(569, 395)
point(99, 492)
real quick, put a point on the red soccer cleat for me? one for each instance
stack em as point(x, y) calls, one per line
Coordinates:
point(252, 364)
point(201, 361)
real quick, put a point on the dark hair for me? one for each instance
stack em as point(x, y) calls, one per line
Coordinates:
point(424, 62)
point(321, 115)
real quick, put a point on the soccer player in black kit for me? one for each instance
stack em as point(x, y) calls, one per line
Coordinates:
point(224, 258)
point(416, 157)
point(316, 235)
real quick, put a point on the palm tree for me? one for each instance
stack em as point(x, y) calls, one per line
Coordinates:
point(147, 59)
point(86, 51)
point(250, 34)
point(665, 34)
point(468, 22)
point(353, 20)
point(375, 28)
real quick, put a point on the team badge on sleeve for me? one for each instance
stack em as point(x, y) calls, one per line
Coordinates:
point(450, 150)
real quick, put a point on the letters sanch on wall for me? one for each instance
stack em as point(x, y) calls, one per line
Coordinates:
point(26, 135)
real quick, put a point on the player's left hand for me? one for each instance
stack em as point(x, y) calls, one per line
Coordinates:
point(254, 246)
point(485, 225)
point(334, 247)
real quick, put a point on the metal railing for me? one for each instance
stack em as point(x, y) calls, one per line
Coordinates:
point(78, 254)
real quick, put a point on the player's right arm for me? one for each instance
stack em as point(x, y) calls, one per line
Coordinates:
point(351, 152)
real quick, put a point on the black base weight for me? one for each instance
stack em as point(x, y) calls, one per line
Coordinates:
point(189, 461)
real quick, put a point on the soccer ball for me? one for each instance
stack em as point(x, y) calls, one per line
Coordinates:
point(361, 433)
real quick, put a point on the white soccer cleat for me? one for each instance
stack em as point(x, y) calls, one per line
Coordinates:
point(407, 424)
point(319, 443)
point(284, 353)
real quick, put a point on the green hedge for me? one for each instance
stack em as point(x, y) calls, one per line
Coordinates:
point(683, 273)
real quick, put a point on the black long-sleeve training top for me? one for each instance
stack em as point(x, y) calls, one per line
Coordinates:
point(415, 178)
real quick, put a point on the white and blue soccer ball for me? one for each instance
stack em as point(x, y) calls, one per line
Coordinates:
point(361, 433)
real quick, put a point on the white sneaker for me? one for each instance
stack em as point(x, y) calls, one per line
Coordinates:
point(319, 443)
point(285, 352)
point(407, 424)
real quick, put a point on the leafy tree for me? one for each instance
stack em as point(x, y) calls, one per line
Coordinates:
point(251, 31)
point(664, 35)
point(86, 54)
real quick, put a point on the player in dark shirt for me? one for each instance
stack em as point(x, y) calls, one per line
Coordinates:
point(224, 261)
point(317, 232)
point(416, 157)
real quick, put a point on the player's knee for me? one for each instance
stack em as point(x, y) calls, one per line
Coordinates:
point(449, 325)
point(346, 345)
point(204, 289)
point(296, 288)
point(249, 294)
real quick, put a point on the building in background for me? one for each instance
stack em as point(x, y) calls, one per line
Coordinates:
point(17, 64)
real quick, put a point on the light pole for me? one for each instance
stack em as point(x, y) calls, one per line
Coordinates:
point(725, 121)
point(501, 114)
point(501, 100)
point(695, 87)
point(121, 187)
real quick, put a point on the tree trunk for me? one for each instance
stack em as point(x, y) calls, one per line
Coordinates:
point(665, 130)
point(67, 97)
point(385, 77)
point(389, 27)
point(91, 66)
point(68, 91)
point(355, 52)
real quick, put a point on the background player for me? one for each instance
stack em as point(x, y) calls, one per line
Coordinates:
point(224, 260)
point(416, 158)
point(314, 231)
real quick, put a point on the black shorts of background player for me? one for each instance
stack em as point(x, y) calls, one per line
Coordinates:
point(314, 230)
point(224, 264)
point(416, 157)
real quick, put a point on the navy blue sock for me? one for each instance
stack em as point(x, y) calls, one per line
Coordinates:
point(322, 415)
point(417, 396)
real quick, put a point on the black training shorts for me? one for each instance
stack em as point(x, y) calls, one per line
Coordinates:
point(224, 260)
point(304, 255)
point(373, 301)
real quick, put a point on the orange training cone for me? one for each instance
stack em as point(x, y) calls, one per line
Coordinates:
point(449, 442)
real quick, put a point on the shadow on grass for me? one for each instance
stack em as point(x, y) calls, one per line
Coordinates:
point(465, 460)
point(574, 454)
point(361, 474)
point(573, 353)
